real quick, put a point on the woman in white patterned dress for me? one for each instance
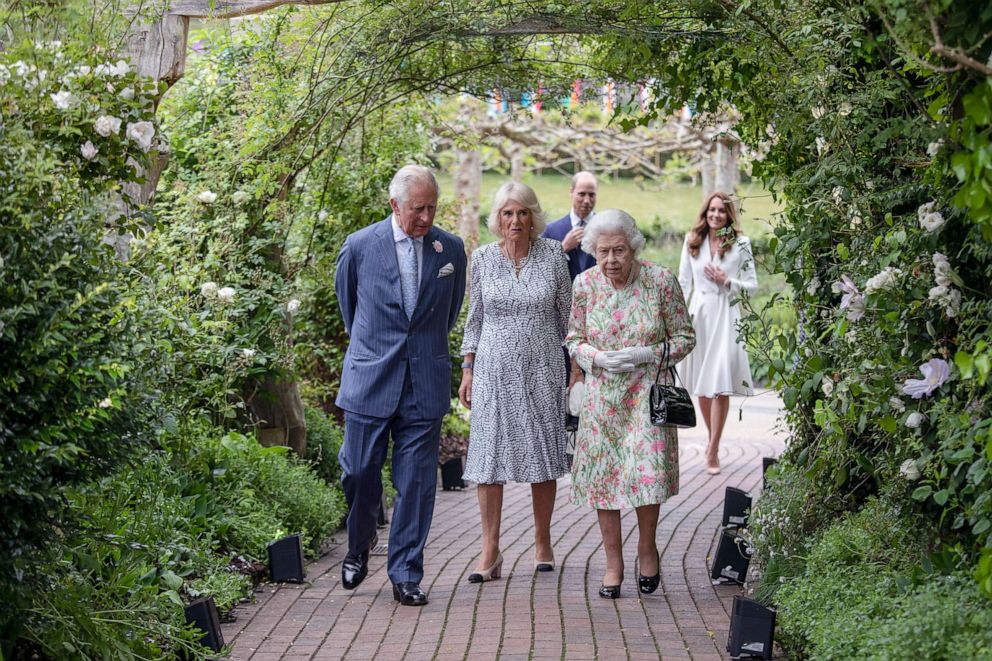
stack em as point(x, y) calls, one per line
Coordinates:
point(513, 377)
point(716, 266)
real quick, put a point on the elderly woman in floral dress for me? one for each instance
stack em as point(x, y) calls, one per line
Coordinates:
point(627, 317)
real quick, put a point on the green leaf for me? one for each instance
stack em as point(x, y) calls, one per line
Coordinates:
point(941, 497)
point(922, 493)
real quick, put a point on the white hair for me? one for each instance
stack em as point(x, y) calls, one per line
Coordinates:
point(521, 194)
point(408, 175)
point(612, 221)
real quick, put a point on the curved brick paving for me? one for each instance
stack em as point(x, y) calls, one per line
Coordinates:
point(525, 615)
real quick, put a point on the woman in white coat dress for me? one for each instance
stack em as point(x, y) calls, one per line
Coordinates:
point(717, 264)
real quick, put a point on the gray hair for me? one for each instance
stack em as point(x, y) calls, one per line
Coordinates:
point(408, 175)
point(612, 221)
point(521, 194)
point(584, 174)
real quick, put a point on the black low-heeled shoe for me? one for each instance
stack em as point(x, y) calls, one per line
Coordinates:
point(648, 584)
point(609, 592)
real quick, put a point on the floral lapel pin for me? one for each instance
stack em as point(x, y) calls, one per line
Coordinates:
point(446, 270)
point(438, 247)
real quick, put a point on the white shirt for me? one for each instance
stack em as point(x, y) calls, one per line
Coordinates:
point(399, 236)
point(576, 220)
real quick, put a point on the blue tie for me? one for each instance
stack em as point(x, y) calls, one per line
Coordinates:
point(408, 278)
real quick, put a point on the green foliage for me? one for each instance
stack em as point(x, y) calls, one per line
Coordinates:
point(324, 441)
point(853, 576)
point(72, 403)
point(945, 618)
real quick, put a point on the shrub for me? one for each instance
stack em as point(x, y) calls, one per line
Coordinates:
point(946, 618)
point(71, 399)
point(853, 575)
point(324, 440)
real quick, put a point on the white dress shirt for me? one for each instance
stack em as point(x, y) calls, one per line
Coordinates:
point(576, 220)
point(399, 236)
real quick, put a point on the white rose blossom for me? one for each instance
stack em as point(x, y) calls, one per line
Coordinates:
point(827, 385)
point(105, 403)
point(942, 270)
point(248, 353)
point(845, 109)
point(934, 148)
point(107, 126)
point(226, 294)
point(930, 219)
point(818, 112)
point(63, 99)
point(915, 419)
point(141, 133)
point(947, 298)
point(239, 197)
point(127, 93)
point(88, 150)
point(909, 470)
point(206, 197)
point(322, 216)
point(208, 289)
point(887, 277)
point(293, 306)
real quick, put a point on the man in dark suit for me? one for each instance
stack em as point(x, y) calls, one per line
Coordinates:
point(400, 285)
point(570, 229)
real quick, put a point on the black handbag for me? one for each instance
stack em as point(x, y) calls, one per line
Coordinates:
point(670, 404)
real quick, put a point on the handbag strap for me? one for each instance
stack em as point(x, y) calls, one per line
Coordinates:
point(671, 368)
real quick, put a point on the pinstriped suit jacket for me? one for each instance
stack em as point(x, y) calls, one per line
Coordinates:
point(384, 343)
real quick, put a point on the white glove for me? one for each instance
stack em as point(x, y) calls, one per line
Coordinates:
point(575, 397)
point(613, 361)
point(638, 355)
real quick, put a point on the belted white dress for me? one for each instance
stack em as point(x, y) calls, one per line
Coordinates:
point(718, 365)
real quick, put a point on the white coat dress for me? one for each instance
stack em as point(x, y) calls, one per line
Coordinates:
point(718, 365)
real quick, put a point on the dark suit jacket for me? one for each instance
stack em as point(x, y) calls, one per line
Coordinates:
point(578, 261)
point(384, 343)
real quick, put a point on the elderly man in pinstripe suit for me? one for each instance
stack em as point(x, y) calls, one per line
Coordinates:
point(400, 285)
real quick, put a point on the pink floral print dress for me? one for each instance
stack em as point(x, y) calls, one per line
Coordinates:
point(621, 459)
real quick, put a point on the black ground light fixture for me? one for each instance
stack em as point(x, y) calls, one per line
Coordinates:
point(766, 463)
point(733, 555)
point(752, 629)
point(451, 475)
point(202, 613)
point(286, 560)
point(736, 507)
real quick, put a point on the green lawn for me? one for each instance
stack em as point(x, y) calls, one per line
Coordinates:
point(664, 215)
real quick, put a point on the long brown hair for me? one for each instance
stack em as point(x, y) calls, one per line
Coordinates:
point(700, 228)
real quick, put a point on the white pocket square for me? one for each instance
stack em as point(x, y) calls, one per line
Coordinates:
point(445, 270)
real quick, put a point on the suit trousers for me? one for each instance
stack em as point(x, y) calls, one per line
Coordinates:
point(416, 443)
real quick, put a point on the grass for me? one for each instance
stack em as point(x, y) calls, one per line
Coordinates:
point(664, 215)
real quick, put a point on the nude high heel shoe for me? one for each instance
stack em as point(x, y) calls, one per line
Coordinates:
point(494, 571)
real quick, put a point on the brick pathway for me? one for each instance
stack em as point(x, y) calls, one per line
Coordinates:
point(525, 615)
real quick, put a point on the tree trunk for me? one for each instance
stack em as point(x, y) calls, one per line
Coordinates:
point(468, 190)
point(728, 174)
point(278, 408)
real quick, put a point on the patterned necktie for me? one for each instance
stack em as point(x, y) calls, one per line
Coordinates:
point(408, 277)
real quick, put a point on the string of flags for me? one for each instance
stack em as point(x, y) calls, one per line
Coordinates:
point(608, 95)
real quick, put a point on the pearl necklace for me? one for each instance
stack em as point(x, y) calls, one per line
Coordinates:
point(517, 265)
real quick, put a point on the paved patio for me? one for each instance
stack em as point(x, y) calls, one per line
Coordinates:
point(526, 615)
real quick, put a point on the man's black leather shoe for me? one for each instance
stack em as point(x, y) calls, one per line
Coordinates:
point(409, 594)
point(354, 569)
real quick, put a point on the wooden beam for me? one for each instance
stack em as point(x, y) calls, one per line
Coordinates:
point(231, 8)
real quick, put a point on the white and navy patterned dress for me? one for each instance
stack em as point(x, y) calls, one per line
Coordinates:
point(515, 327)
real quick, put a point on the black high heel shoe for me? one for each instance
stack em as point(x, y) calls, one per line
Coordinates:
point(648, 584)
